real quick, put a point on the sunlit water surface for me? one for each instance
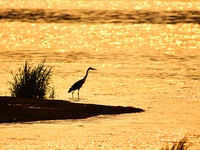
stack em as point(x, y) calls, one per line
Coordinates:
point(151, 64)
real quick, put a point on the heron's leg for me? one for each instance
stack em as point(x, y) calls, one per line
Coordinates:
point(78, 93)
point(72, 94)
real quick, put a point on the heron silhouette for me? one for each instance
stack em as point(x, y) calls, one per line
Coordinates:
point(77, 85)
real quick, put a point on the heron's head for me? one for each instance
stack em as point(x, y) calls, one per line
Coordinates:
point(90, 68)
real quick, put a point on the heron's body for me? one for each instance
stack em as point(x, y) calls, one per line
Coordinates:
point(77, 85)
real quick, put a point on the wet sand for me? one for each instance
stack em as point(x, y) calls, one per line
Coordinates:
point(25, 109)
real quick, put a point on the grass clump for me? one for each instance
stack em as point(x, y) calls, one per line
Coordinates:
point(181, 145)
point(31, 82)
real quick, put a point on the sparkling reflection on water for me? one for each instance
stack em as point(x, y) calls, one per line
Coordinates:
point(151, 66)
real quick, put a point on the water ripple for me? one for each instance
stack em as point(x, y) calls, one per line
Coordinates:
point(100, 16)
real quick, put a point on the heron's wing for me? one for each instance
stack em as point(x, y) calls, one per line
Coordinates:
point(76, 85)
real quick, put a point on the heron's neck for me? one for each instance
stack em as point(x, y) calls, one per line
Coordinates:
point(86, 75)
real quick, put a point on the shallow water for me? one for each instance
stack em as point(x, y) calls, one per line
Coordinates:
point(150, 62)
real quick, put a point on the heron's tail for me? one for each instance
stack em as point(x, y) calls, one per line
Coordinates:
point(70, 90)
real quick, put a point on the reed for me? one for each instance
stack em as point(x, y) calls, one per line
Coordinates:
point(181, 145)
point(31, 82)
point(52, 92)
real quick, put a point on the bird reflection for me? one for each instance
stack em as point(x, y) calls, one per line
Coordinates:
point(79, 84)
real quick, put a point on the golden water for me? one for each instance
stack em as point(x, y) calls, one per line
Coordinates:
point(152, 65)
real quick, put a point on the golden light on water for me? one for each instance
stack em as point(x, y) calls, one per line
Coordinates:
point(103, 4)
point(154, 66)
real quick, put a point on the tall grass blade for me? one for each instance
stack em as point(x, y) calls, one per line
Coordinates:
point(31, 82)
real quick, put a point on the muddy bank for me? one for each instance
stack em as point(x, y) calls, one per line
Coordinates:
point(23, 110)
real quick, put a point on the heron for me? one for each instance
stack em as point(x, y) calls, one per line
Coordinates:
point(77, 85)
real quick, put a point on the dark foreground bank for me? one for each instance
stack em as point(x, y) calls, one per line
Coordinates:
point(23, 110)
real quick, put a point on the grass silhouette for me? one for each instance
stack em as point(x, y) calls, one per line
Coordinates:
point(181, 145)
point(31, 82)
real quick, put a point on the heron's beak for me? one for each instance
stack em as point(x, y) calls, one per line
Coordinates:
point(91, 68)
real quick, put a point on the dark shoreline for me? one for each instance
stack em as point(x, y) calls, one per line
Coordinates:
point(25, 109)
